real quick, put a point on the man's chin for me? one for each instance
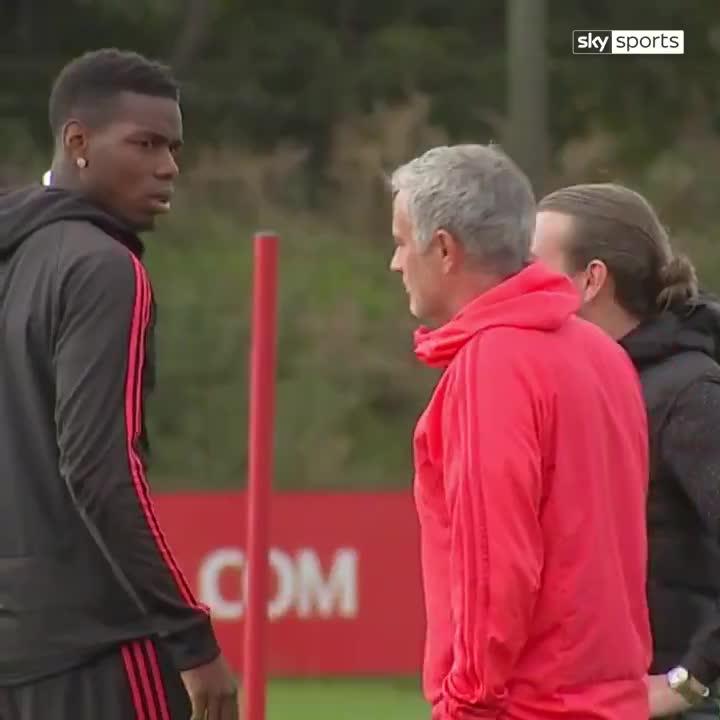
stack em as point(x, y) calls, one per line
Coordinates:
point(425, 316)
point(417, 312)
point(146, 223)
point(414, 311)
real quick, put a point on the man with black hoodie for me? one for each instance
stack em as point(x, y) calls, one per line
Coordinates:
point(96, 619)
point(610, 241)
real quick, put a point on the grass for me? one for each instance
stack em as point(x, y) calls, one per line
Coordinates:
point(346, 700)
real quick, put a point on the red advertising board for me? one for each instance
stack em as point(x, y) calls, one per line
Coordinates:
point(345, 586)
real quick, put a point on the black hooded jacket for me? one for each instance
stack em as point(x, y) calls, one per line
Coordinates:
point(84, 565)
point(677, 356)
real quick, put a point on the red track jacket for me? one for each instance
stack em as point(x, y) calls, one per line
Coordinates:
point(531, 481)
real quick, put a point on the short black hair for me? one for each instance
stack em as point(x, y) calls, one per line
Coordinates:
point(90, 82)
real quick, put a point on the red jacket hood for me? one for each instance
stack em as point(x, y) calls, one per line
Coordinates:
point(535, 298)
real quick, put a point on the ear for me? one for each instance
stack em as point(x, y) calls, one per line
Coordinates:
point(74, 139)
point(596, 278)
point(450, 250)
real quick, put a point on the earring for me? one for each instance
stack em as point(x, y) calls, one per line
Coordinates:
point(81, 162)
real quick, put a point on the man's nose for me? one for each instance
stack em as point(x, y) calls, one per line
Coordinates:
point(395, 264)
point(168, 169)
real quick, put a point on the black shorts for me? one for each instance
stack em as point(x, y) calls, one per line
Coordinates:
point(136, 682)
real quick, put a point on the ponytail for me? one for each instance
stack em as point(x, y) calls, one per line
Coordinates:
point(679, 283)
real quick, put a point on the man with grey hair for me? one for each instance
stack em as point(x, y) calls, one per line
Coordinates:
point(531, 461)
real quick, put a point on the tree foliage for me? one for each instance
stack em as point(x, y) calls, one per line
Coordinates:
point(285, 99)
point(261, 72)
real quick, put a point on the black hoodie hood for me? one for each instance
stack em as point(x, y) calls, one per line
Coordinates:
point(693, 327)
point(27, 210)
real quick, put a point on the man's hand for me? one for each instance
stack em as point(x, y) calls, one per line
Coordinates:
point(212, 690)
point(663, 699)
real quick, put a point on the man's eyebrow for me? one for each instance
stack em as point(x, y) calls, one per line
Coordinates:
point(160, 137)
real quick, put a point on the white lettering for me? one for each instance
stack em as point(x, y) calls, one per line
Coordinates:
point(340, 588)
point(299, 584)
point(284, 598)
point(211, 570)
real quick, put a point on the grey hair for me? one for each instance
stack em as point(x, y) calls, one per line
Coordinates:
point(477, 194)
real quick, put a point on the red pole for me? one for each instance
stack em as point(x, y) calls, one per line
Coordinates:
point(260, 468)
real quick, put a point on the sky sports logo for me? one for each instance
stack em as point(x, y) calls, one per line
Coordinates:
point(628, 42)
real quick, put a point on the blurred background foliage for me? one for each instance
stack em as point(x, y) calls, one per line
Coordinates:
point(295, 110)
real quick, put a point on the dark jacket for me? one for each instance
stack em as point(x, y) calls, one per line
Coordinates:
point(677, 356)
point(84, 565)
